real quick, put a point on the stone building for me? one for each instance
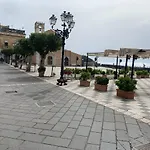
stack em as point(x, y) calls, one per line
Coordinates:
point(54, 58)
point(9, 36)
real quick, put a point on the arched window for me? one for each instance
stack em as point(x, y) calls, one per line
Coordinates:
point(66, 61)
point(50, 60)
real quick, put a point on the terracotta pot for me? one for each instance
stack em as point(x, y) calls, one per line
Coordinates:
point(84, 83)
point(125, 94)
point(102, 88)
point(144, 76)
point(104, 76)
point(41, 73)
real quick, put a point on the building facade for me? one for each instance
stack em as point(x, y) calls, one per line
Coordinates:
point(54, 58)
point(9, 36)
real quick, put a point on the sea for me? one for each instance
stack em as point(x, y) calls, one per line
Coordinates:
point(138, 63)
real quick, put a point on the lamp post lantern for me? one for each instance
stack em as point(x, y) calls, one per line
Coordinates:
point(68, 25)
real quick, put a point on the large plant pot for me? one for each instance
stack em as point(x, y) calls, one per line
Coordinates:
point(84, 83)
point(138, 76)
point(102, 88)
point(144, 76)
point(125, 94)
point(41, 73)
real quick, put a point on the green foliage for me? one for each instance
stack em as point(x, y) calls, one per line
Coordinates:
point(8, 51)
point(103, 72)
point(44, 43)
point(85, 76)
point(101, 80)
point(126, 84)
point(142, 72)
point(77, 71)
point(68, 71)
point(109, 71)
point(89, 70)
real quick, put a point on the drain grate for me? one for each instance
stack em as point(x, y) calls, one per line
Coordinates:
point(45, 103)
point(143, 147)
point(11, 91)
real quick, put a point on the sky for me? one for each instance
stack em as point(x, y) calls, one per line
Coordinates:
point(99, 24)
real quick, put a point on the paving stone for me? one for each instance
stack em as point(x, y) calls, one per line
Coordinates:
point(86, 122)
point(97, 126)
point(11, 142)
point(119, 118)
point(73, 108)
point(40, 120)
point(44, 126)
point(78, 142)
point(8, 121)
point(66, 119)
point(108, 110)
point(130, 120)
point(70, 113)
point(120, 126)
point(68, 133)
point(94, 138)
point(89, 115)
point(30, 130)
point(74, 124)
point(54, 120)
point(57, 141)
point(32, 137)
point(134, 131)
point(25, 123)
point(9, 133)
point(107, 146)
point(47, 116)
point(36, 146)
point(109, 136)
point(98, 118)
point(9, 127)
point(51, 133)
point(109, 126)
point(77, 118)
point(108, 117)
point(90, 109)
point(60, 126)
point(122, 135)
point(83, 131)
point(83, 106)
point(124, 144)
point(3, 147)
point(63, 110)
point(92, 147)
point(59, 114)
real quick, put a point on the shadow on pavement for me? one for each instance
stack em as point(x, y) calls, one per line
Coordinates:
point(12, 72)
point(25, 79)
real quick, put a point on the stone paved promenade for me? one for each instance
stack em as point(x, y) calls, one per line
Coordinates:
point(36, 115)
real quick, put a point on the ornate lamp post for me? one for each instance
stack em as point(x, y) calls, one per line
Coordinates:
point(68, 25)
point(126, 64)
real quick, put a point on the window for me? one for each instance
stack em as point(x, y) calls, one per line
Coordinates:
point(6, 44)
point(66, 61)
point(50, 60)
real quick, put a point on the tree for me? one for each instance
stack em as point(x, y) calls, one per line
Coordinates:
point(27, 51)
point(8, 52)
point(44, 43)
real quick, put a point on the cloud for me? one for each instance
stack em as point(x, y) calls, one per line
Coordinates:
point(100, 24)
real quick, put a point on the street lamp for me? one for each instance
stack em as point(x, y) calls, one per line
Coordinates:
point(68, 25)
point(126, 64)
point(120, 60)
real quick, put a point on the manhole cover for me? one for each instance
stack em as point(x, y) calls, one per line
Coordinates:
point(143, 147)
point(11, 91)
point(45, 103)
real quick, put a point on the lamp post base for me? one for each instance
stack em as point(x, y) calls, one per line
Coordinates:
point(60, 82)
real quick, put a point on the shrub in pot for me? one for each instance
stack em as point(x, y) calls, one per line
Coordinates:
point(126, 87)
point(68, 71)
point(142, 74)
point(41, 71)
point(101, 83)
point(85, 76)
point(104, 74)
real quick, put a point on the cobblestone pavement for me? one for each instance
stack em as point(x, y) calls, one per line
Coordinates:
point(36, 115)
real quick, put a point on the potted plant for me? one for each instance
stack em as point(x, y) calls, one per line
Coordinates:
point(101, 83)
point(84, 79)
point(104, 74)
point(41, 71)
point(142, 74)
point(126, 87)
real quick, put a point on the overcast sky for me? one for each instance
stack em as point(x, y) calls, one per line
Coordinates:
point(100, 24)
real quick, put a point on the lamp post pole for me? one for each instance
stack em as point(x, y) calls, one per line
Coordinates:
point(116, 73)
point(63, 50)
point(68, 25)
point(132, 69)
point(126, 64)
